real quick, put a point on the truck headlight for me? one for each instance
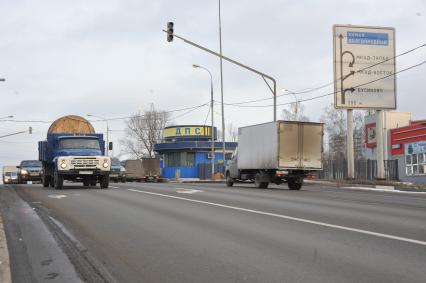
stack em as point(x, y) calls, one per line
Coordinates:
point(63, 164)
point(24, 172)
point(105, 164)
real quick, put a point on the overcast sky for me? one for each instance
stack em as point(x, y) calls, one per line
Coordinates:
point(111, 59)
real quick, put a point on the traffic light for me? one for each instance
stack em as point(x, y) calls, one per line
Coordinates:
point(30, 130)
point(170, 31)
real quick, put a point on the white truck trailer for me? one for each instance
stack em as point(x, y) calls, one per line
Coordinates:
point(276, 152)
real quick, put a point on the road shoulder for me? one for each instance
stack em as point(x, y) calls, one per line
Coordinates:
point(5, 276)
point(35, 256)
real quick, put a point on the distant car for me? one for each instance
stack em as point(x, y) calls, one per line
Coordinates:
point(118, 172)
point(29, 170)
point(10, 178)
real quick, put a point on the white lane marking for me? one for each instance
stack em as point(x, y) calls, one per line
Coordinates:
point(187, 191)
point(408, 240)
point(57, 196)
point(384, 190)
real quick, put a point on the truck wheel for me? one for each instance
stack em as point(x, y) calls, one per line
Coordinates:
point(45, 180)
point(104, 183)
point(58, 181)
point(258, 183)
point(86, 182)
point(93, 182)
point(51, 182)
point(229, 182)
point(123, 180)
point(295, 184)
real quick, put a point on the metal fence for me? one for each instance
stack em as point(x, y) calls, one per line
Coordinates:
point(364, 170)
point(204, 170)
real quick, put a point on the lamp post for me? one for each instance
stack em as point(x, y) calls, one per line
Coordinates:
point(2, 79)
point(212, 129)
point(221, 92)
point(107, 134)
point(297, 102)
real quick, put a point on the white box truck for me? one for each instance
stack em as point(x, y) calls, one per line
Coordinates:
point(276, 152)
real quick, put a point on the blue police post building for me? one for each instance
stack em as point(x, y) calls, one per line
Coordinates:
point(185, 152)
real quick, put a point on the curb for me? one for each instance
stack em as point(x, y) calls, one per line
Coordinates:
point(5, 275)
point(374, 187)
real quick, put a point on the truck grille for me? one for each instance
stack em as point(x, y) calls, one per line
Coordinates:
point(85, 163)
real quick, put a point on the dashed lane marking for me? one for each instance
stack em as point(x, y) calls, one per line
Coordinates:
point(57, 196)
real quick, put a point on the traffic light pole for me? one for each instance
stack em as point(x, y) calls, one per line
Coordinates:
point(264, 76)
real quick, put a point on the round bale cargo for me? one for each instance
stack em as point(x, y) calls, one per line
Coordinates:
point(71, 124)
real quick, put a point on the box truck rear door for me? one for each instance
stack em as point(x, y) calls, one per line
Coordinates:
point(289, 156)
point(312, 145)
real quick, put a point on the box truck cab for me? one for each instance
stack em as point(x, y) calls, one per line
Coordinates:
point(276, 152)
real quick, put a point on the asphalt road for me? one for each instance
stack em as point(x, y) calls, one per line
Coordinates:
point(145, 232)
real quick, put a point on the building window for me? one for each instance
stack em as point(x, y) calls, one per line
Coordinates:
point(178, 159)
point(415, 164)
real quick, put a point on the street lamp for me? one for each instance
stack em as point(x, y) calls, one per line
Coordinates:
point(107, 135)
point(2, 79)
point(295, 98)
point(212, 130)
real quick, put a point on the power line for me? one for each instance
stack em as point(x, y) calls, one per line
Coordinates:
point(331, 83)
point(111, 119)
point(327, 94)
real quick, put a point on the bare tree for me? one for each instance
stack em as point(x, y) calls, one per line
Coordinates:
point(335, 128)
point(295, 112)
point(143, 131)
point(232, 133)
point(336, 131)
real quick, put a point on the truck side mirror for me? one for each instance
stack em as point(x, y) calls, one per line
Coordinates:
point(110, 146)
point(19, 167)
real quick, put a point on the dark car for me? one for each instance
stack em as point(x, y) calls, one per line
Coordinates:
point(118, 173)
point(29, 170)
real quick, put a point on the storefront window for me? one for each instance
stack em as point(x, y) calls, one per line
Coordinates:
point(415, 164)
point(178, 159)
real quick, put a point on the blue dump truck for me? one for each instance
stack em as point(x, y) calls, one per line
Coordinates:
point(74, 152)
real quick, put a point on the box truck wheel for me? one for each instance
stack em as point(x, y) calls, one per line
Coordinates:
point(295, 184)
point(104, 183)
point(229, 181)
point(258, 183)
point(93, 181)
point(58, 181)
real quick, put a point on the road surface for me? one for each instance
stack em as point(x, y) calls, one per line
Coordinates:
point(152, 232)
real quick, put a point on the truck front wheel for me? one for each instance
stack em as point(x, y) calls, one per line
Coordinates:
point(295, 184)
point(104, 182)
point(58, 180)
point(229, 182)
point(45, 180)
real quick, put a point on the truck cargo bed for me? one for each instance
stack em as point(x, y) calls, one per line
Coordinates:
point(281, 145)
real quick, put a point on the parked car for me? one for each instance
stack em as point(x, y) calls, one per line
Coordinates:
point(29, 170)
point(118, 172)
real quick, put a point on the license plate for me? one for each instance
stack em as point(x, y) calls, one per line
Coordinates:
point(34, 174)
point(86, 172)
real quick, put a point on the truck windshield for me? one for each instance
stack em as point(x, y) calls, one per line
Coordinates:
point(115, 162)
point(79, 143)
point(31, 163)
